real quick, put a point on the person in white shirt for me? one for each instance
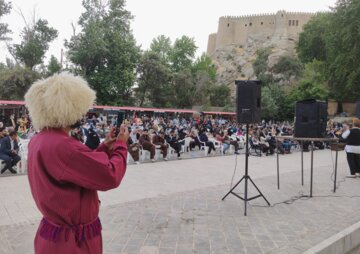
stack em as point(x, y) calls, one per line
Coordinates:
point(352, 148)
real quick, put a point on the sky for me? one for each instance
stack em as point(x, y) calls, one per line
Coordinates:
point(172, 18)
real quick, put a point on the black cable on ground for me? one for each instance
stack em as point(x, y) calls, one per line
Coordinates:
point(306, 197)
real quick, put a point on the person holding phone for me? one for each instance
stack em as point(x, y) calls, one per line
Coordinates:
point(64, 174)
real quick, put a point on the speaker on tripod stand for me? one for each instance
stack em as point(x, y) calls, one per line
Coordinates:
point(310, 119)
point(248, 110)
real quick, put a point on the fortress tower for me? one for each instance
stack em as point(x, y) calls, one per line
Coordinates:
point(237, 30)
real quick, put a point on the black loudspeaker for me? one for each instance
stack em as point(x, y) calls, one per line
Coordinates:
point(358, 108)
point(310, 119)
point(248, 101)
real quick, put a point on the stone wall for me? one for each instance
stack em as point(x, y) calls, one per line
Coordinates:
point(264, 27)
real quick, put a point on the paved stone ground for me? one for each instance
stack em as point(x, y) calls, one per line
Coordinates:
point(185, 213)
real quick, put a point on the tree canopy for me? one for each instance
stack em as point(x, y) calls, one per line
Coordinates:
point(333, 38)
point(53, 67)
point(170, 76)
point(35, 42)
point(5, 8)
point(105, 50)
point(15, 81)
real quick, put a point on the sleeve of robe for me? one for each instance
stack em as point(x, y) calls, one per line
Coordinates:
point(96, 170)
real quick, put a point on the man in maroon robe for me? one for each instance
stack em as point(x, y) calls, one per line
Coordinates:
point(64, 174)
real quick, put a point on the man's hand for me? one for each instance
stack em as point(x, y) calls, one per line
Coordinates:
point(110, 138)
point(123, 134)
point(13, 151)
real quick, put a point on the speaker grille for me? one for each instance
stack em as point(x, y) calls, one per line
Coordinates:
point(311, 119)
point(248, 101)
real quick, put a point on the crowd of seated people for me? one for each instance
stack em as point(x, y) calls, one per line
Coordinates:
point(160, 137)
point(168, 135)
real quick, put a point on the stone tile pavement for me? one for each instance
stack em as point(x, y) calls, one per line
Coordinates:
point(185, 214)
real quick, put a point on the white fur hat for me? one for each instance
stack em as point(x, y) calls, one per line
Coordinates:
point(58, 101)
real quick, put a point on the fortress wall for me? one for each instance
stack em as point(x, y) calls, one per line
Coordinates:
point(281, 24)
point(258, 27)
point(211, 43)
point(226, 32)
point(296, 22)
point(237, 30)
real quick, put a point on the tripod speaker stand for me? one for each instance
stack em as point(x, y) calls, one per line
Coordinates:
point(246, 178)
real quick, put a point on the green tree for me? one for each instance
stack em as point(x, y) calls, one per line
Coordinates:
point(269, 106)
point(105, 50)
point(15, 81)
point(307, 90)
point(334, 39)
point(54, 66)
point(220, 96)
point(35, 42)
point(183, 53)
point(184, 89)
point(204, 78)
point(312, 41)
point(343, 51)
point(288, 67)
point(312, 85)
point(5, 8)
point(154, 81)
point(261, 64)
point(204, 63)
point(169, 76)
point(203, 87)
point(161, 45)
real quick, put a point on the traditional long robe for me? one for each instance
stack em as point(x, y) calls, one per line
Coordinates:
point(64, 177)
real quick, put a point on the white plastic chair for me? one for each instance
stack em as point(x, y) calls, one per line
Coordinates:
point(186, 146)
point(218, 145)
point(2, 165)
point(203, 146)
point(144, 154)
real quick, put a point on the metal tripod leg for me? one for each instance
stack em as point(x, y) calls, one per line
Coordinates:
point(259, 191)
point(231, 191)
point(246, 177)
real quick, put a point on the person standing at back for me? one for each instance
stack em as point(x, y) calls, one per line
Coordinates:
point(352, 148)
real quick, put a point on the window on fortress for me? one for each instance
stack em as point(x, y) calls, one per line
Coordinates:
point(297, 22)
point(245, 24)
point(262, 23)
point(250, 24)
point(289, 22)
point(293, 22)
point(228, 25)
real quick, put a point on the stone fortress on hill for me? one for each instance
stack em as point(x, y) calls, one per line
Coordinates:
point(233, 49)
point(237, 30)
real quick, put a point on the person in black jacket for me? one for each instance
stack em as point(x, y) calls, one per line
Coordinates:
point(204, 138)
point(92, 138)
point(352, 148)
point(174, 142)
point(9, 149)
